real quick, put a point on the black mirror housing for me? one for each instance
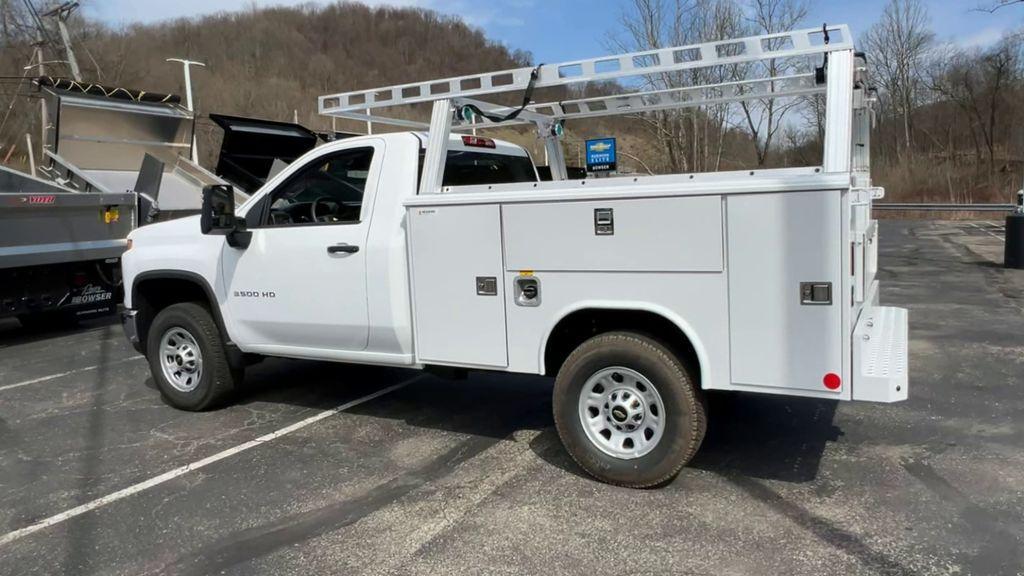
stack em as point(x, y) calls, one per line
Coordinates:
point(218, 212)
point(218, 216)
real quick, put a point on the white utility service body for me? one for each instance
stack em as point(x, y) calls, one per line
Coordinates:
point(764, 279)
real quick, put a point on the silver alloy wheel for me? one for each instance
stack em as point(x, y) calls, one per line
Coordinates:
point(181, 359)
point(621, 412)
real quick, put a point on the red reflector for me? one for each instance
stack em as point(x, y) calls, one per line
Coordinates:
point(832, 381)
point(478, 141)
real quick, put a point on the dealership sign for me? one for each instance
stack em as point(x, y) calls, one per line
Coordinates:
point(601, 155)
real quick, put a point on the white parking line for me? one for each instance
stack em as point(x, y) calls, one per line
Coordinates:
point(68, 373)
point(172, 474)
point(989, 232)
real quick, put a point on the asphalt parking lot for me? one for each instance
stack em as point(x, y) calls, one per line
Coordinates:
point(311, 472)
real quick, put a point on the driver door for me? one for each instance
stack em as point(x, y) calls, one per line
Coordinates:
point(301, 283)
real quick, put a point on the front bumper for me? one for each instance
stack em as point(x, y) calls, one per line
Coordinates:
point(129, 321)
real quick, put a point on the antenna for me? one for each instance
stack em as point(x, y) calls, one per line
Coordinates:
point(187, 64)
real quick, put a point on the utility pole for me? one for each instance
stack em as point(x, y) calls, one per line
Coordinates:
point(186, 64)
point(61, 13)
point(44, 116)
point(42, 39)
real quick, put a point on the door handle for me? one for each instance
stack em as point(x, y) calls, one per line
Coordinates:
point(345, 248)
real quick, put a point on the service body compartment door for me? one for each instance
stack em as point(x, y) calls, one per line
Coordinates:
point(785, 290)
point(640, 235)
point(458, 290)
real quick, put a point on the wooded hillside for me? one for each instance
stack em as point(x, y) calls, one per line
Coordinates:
point(272, 63)
point(268, 63)
point(950, 120)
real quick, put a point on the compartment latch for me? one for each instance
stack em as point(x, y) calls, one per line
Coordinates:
point(816, 293)
point(486, 286)
point(604, 221)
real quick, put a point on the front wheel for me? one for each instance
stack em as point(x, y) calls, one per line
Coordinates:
point(628, 411)
point(188, 359)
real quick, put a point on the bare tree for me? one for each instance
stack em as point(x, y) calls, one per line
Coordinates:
point(690, 139)
point(991, 7)
point(899, 44)
point(764, 117)
point(979, 83)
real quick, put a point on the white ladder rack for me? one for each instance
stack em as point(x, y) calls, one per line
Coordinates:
point(707, 95)
point(456, 105)
point(800, 43)
point(691, 96)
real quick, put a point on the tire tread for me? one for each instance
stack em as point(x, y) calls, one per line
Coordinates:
point(224, 376)
point(697, 417)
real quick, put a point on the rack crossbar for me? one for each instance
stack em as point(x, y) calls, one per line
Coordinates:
point(806, 42)
point(687, 97)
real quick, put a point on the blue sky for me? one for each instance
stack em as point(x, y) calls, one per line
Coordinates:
point(559, 30)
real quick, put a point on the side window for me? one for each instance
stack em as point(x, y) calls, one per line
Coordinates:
point(327, 191)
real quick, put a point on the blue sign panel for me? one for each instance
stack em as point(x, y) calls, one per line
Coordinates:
point(601, 155)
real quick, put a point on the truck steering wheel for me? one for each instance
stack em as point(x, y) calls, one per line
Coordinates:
point(314, 205)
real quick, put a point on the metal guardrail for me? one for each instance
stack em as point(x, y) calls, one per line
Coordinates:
point(928, 207)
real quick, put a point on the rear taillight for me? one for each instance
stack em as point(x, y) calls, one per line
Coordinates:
point(478, 142)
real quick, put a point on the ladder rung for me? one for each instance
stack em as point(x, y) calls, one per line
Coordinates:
point(768, 46)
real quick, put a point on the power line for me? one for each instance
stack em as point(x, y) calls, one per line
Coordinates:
point(38, 21)
point(15, 98)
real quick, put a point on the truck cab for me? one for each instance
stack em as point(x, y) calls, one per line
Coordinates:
point(323, 270)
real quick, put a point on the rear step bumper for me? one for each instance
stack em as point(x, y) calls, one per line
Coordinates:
point(880, 355)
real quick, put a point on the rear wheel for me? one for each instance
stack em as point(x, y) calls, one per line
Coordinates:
point(188, 360)
point(628, 410)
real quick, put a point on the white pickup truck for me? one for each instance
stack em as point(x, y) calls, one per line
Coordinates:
point(637, 293)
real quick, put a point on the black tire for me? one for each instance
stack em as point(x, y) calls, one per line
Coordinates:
point(684, 411)
point(217, 380)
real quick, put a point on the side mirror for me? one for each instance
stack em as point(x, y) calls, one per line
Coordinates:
point(218, 216)
point(218, 213)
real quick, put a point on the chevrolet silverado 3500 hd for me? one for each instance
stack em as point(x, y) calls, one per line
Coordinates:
point(637, 293)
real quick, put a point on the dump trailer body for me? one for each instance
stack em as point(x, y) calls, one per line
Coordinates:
point(251, 147)
point(59, 249)
point(97, 142)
